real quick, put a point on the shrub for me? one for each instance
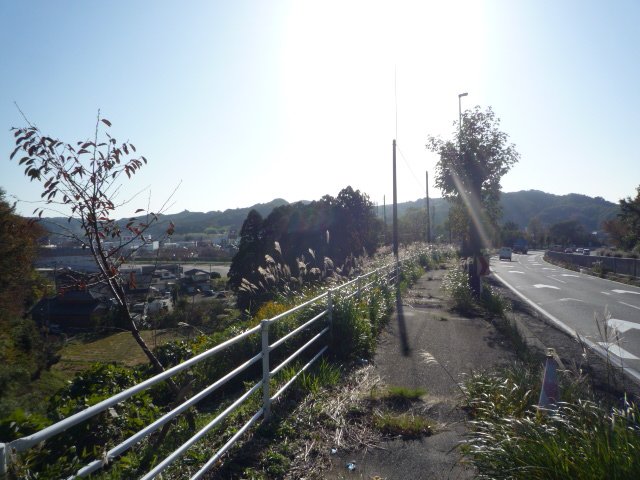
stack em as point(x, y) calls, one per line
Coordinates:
point(456, 284)
point(493, 302)
point(352, 335)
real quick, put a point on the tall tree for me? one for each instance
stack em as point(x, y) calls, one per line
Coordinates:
point(630, 216)
point(18, 250)
point(24, 350)
point(536, 232)
point(470, 168)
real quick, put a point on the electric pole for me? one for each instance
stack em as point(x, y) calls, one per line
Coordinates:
point(395, 205)
point(428, 216)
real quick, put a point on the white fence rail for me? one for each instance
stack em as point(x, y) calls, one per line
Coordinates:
point(387, 274)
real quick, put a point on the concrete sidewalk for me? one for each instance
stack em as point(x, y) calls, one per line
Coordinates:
point(423, 329)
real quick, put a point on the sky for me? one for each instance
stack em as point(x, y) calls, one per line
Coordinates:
point(240, 102)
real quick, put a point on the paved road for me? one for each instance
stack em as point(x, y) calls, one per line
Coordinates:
point(573, 299)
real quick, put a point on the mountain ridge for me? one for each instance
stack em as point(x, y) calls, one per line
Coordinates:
point(518, 207)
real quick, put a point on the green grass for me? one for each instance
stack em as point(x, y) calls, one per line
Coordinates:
point(399, 394)
point(82, 352)
point(404, 424)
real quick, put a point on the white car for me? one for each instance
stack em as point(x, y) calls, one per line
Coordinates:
point(505, 253)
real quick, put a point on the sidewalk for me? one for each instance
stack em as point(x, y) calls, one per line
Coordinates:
point(422, 327)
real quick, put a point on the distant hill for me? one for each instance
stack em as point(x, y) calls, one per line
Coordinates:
point(518, 207)
point(521, 207)
point(185, 222)
point(197, 222)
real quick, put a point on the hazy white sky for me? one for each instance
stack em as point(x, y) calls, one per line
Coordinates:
point(245, 101)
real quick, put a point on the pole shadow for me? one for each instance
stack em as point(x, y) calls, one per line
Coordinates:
point(402, 326)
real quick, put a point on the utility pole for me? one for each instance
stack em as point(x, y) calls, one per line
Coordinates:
point(384, 214)
point(428, 216)
point(395, 205)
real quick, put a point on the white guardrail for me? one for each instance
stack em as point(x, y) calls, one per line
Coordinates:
point(386, 274)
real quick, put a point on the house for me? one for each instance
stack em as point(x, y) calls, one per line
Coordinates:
point(197, 275)
point(196, 280)
point(71, 311)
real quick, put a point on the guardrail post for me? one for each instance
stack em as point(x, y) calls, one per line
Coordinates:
point(266, 377)
point(359, 286)
point(330, 306)
point(3, 459)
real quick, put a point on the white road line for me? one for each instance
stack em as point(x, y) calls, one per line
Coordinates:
point(629, 305)
point(617, 351)
point(556, 279)
point(571, 299)
point(515, 271)
point(570, 275)
point(605, 293)
point(622, 325)
point(542, 285)
point(625, 291)
point(565, 328)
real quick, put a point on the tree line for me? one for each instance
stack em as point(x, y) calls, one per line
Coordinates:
point(302, 243)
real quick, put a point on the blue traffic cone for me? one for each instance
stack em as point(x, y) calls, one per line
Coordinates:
point(550, 393)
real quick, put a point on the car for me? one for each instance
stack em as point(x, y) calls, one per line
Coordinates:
point(505, 253)
point(580, 250)
point(586, 251)
point(568, 250)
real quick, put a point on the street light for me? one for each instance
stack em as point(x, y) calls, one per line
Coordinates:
point(460, 95)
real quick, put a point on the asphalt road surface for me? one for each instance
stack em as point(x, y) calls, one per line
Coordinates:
point(574, 301)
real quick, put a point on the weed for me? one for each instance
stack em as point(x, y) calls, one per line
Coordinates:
point(581, 439)
point(404, 424)
point(493, 302)
point(399, 394)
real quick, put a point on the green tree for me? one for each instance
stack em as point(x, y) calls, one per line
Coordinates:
point(355, 228)
point(509, 233)
point(18, 249)
point(250, 253)
point(23, 351)
point(625, 229)
point(569, 232)
point(412, 225)
point(469, 170)
point(537, 232)
point(301, 243)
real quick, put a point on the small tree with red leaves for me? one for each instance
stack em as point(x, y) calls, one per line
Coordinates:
point(84, 179)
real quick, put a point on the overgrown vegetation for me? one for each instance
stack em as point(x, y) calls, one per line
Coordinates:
point(456, 285)
point(356, 322)
point(581, 438)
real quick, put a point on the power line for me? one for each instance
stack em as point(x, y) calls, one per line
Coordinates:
point(409, 167)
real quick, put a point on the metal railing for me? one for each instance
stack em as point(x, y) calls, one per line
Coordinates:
point(621, 266)
point(387, 274)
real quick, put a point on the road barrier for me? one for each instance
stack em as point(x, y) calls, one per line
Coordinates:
point(621, 266)
point(388, 274)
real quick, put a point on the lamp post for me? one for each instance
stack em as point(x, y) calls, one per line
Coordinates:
point(460, 95)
